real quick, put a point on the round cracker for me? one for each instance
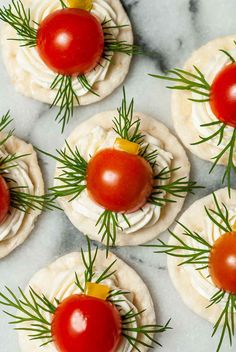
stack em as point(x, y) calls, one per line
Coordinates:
point(168, 213)
point(116, 74)
point(182, 107)
point(127, 279)
point(193, 218)
point(15, 145)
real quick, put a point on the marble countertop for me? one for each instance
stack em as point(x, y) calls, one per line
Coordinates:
point(171, 30)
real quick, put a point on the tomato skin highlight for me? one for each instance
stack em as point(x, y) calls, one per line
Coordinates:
point(4, 199)
point(223, 95)
point(70, 41)
point(222, 263)
point(83, 323)
point(119, 181)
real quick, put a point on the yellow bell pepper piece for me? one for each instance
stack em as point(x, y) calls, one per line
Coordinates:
point(97, 290)
point(127, 146)
point(234, 227)
point(80, 4)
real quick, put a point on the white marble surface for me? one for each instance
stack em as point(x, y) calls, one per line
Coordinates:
point(171, 30)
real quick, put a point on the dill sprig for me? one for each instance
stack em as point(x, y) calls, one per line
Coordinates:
point(114, 296)
point(112, 45)
point(226, 319)
point(147, 330)
point(73, 169)
point(20, 20)
point(4, 122)
point(29, 310)
point(7, 162)
point(25, 201)
point(63, 4)
point(193, 82)
point(149, 156)
point(89, 261)
point(216, 214)
point(194, 254)
point(191, 254)
point(125, 125)
point(177, 188)
point(108, 223)
point(66, 96)
point(231, 58)
point(228, 150)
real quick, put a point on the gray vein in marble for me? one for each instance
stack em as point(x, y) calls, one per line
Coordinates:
point(194, 6)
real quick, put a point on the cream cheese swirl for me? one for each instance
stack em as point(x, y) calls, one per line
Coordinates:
point(64, 286)
point(200, 279)
point(202, 112)
point(19, 176)
point(29, 60)
point(99, 139)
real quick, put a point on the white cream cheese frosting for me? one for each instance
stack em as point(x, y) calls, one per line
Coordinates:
point(200, 279)
point(99, 139)
point(29, 60)
point(18, 174)
point(202, 112)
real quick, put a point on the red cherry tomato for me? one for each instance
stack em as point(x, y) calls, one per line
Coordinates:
point(223, 263)
point(70, 41)
point(119, 181)
point(4, 199)
point(88, 324)
point(223, 95)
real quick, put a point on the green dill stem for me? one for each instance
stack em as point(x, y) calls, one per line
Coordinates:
point(20, 20)
point(25, 202)
point(228, 151)
point(4, 122)
point(125, 125)
point(108, 223)
point(226, 320)
point(146, 330)
point(29, 310)
point(73, 169)
point(193, 82)
point(66, 96)
point(89, 260)
point(177, 188)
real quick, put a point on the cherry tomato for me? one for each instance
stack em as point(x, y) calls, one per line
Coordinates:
point(83, 323)
point(223, 262)
point(4, 199)
point(70, 41)
point(119, 181)
point(223, 95)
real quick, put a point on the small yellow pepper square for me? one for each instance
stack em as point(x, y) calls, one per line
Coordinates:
point(80, 4)
point(127, 146)
point(234, 227)
point(97, 290)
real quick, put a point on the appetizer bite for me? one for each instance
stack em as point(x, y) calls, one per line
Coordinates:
point(202, 260)
point(122, 177)
point(84, 302)
point(204, 104)
point(22, 195)
point(67, 53)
